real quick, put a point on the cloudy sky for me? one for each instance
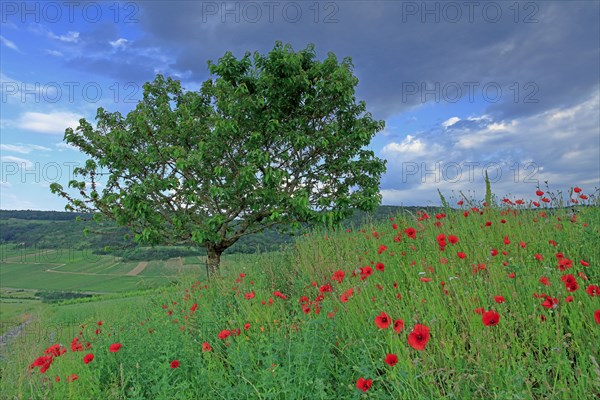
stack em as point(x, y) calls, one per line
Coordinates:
point(508, 87)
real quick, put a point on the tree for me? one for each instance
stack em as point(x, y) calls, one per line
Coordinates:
point(275, 140)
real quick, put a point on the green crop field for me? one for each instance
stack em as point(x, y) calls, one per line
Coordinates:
point(70, 270)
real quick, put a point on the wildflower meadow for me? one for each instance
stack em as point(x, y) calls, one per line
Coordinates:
point(494, 299)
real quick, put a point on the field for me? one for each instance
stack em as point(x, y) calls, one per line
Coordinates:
point(70, 270)
point(476, 302)
point(25, 272)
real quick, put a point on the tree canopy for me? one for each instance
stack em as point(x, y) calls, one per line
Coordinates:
point(268, 140)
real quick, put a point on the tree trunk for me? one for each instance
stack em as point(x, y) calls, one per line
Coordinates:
point(214, 260)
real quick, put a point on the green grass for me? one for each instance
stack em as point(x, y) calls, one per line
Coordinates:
point(13, 312)
point(314, 345)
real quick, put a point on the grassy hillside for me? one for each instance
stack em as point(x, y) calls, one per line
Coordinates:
point(470, 303)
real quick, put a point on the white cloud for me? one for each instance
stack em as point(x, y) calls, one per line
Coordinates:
point(449, 122)
point(65, 146)
point(53, 53)
point(52, 123)
point(119, 43)
point(17, 160)
point(8, 43)
point(23, 149)
point(495, 131)
point(560, 146)
point(409, 145)
point(70, 37)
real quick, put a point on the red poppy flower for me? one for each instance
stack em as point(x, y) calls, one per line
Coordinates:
point(346, 295)
point(550, 302)
point(419, 337)
point(175, 364)
point(539, 192)
point(569, 299)
point(280, 295)
point(88, 358)
point(72, 378)
point(461, 255)
point(597, 316)
point(411, 233)
point(494, 252)
point(115, 347)
point(364, 384)
point(511, 275)
point(365, 272)
point(572, 286)
point(538, 257)
point(499, 299)
point(391, 359)
point(338, 276)
point(250, 295)
point(40, 361)
point(380, 267)
point(453, 239)
point(544, 281)
point(593, 290)
point(326, 288)
point(382, 248)
point(568, 279)
point(398, 325)
point(577, 189)
point(206, 346)
point(584, 263)
point(382, 320)
point(490, 318)
point(224, 334)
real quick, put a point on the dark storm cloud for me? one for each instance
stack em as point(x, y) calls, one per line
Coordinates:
point(543, 56)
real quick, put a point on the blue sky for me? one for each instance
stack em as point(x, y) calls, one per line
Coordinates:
point(511, 87)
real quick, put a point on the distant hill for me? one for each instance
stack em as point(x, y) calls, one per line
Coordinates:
point(57, 229)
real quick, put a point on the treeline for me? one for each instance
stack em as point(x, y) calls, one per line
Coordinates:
point(40, 215)
point(55, 229)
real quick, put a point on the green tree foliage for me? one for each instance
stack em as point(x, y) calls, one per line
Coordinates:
point(273, 140)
